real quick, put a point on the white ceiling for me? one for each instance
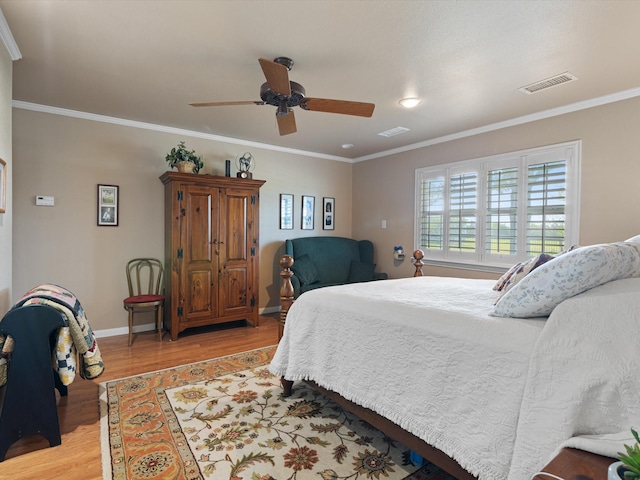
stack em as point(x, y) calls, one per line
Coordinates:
point(146, 60)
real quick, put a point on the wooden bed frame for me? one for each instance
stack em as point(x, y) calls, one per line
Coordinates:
point(407, 439)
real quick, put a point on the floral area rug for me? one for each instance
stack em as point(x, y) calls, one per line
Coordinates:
point(225, 419)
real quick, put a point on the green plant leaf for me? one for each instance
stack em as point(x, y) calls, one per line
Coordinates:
point(247, 460)
point(631, 459)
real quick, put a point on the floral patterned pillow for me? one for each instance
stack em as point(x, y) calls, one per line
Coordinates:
point(567, 275)
point(502, 281)
point(519, 271)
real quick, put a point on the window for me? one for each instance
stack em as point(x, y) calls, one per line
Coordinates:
point(492, 212)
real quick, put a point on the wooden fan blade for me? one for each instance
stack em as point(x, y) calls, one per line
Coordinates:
point(220, 104)
point(286, 123)
point(277, 76)
point(338, 106)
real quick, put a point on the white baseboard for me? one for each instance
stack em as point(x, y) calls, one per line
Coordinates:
point(112, 332)
point(266, 310)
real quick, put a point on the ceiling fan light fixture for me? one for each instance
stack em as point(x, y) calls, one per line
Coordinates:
point(283, 109)
point(410, 102)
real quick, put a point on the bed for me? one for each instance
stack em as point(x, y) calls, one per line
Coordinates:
point(476, 387)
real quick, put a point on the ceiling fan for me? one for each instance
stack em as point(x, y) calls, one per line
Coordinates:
point(280, 92)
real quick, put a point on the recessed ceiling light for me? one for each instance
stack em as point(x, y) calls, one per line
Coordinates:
point(347, 146)
point(410, 102)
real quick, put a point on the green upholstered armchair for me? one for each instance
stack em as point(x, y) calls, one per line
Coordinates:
point(324, 261)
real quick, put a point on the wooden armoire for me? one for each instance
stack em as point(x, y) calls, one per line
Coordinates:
point(211, 250)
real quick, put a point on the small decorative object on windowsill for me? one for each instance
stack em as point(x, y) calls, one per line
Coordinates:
point(185, 161)
point(245, 163)
point(628, 468)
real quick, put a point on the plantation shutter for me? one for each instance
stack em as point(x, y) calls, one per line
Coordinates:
point(432, 213)
point(546, 200)
point(463, 193)
point(497, 210)
point(502, 211)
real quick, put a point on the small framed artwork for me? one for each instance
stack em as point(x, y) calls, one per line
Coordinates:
point(3, 186)
point(286, 211)
point(108, 205)
point(308, 207)
point(328, 211)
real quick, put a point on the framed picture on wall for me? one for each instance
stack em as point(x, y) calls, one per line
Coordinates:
point(108, 197)
point(308, 207)
point(3, 186)
point(286, 211)
point(328, 213)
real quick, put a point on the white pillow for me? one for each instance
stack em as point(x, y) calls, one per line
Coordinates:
point(567, 275)
point(633, 239)
point(520, 270)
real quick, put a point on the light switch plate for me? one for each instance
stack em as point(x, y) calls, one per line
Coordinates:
point(44, 201)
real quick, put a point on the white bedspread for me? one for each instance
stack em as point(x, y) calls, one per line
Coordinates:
point(436, 363)
point(583, 389)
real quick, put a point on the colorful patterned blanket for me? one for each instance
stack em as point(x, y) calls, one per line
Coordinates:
point(75, 340)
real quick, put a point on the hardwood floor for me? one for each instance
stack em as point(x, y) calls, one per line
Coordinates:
point(79, 455)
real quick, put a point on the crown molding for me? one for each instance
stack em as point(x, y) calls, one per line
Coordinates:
point(554, 112)
point(162, 128)
point(7, 38)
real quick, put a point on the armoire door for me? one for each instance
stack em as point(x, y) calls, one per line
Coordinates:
point(237, 251)
point(200, 249)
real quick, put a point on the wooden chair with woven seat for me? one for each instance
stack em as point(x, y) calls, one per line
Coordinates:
point(144, 278)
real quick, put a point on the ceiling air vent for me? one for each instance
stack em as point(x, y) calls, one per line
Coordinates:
point(548, 83)
point(393, 131)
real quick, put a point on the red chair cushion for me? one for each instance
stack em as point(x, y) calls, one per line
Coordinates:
point(144, 299)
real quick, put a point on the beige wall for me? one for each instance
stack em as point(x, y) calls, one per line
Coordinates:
point(610, 187)
point(67, 157)
point(6, 72)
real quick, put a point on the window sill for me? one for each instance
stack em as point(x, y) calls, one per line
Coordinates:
point(478, 267)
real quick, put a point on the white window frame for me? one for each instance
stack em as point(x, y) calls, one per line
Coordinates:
point(480, 260)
